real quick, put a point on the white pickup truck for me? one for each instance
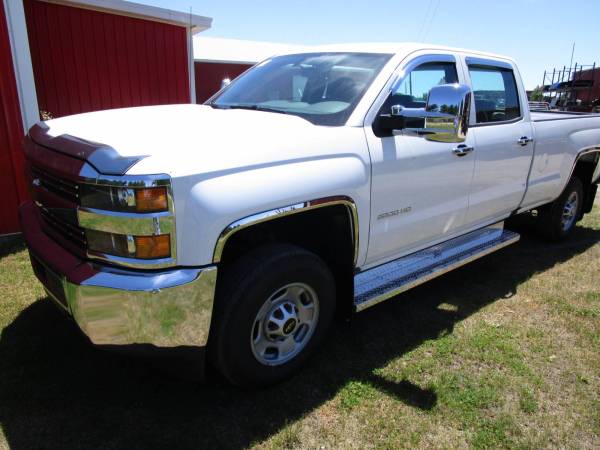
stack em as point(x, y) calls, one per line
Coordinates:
point(328, 179)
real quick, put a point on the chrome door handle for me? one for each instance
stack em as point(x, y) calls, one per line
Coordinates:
point(462, 150)
point(524, 140)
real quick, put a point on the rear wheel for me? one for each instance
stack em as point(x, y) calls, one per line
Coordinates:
point(274, 305)
point(557, 220)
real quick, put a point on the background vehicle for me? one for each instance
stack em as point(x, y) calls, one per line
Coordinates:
point(539, 106)
point(330, 179)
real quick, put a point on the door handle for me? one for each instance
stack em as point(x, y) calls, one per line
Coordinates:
point(524, 140)
point(462, 150)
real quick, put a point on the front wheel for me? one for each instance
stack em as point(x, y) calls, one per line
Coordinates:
point(274, 305)
point(557, 220)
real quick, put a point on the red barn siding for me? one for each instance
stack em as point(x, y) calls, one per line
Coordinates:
point(86, 60)
point(209, 76)
point(12, 184)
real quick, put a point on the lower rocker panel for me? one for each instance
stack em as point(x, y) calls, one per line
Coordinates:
point(383, 282)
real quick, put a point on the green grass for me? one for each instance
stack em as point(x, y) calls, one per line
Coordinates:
point(355, 393)
point(503, 353)
point(527, 400)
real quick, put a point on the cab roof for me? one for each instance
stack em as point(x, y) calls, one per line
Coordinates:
point(396, 48)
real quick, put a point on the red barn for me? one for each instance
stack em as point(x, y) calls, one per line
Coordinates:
point(61, 57)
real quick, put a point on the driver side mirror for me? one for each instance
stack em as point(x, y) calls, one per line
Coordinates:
point(446, 115)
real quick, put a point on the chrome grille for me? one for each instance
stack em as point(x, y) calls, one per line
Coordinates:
point(62, 187)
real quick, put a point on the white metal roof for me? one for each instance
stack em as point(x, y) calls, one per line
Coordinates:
point(234, 50)
point(195, 22)
point(238, 51)
point(392, 48)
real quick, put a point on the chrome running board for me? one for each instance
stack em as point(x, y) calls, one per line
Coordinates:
point(383, 282)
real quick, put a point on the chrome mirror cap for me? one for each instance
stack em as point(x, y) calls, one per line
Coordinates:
point(452, 102)
point(446, 113)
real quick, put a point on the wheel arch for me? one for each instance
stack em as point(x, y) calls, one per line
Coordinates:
point(326, 226)
point(586, 167)
point(285, 211)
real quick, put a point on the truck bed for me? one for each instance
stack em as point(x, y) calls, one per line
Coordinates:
point(560, 140)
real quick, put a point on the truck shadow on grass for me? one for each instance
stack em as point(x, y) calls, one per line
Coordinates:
point(57, 391)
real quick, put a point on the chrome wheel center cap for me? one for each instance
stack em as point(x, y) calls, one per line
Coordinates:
point(282, 321)
point(289, 326)
point(284, 324)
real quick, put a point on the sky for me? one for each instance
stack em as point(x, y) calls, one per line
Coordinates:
point(539, 34)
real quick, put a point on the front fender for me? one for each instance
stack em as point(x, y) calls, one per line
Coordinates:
point(206, 207)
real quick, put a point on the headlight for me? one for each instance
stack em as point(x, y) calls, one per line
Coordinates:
point(129, 221)
point(128, 246)
point(136, 200)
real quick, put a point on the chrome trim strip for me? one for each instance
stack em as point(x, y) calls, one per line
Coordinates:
point(296, 208)
point(143, 281)
point(503, 122)
point(133, 263)
point(124, 222)
point(133, 180)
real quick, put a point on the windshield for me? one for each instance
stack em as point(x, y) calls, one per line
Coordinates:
point(323, 88)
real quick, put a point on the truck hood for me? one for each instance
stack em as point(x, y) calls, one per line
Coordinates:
point(182, 140)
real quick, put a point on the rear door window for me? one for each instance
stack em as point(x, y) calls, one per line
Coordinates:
point(495, 94)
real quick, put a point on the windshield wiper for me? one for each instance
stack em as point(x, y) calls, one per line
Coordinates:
point(251, 107)
point(215, 106)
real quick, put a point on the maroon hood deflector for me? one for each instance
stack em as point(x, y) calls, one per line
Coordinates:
point(103, 158)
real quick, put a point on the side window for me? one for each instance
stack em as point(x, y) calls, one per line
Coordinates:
point(412, 92)
point(414, 88)
point(495, 94)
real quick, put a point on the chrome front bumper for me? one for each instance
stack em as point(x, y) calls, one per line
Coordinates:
point(122, 307)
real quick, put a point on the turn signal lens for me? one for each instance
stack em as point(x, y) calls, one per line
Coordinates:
point(152, 247)
point(151, 199)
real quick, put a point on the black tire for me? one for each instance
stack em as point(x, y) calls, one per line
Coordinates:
point(550, 218)
point(243, 289)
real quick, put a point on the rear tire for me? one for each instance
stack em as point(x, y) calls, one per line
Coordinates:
point(557, 220)
point(273, 308)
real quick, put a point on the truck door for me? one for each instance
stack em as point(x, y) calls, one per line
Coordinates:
point(420, 188)
point(503, 144)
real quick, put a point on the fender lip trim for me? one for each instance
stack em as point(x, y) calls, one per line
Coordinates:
point(295, 208)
